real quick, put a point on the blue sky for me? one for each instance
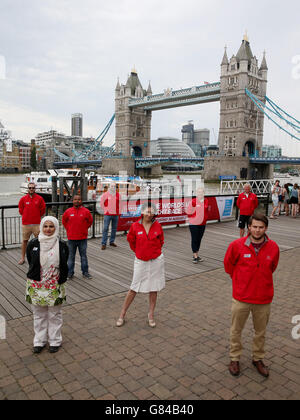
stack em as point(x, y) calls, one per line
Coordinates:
point(65, 56)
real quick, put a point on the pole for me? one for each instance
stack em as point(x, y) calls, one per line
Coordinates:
point(94, 219)
point(3, 233)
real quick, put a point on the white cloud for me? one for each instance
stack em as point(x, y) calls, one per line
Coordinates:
point(64, 56)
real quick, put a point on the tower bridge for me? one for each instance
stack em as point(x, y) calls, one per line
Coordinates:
point(241, 92)
point(210, 92)
point(241, 124)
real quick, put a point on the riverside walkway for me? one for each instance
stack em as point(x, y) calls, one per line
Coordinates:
point(184, 358)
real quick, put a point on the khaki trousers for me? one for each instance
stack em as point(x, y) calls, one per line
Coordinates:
point(240, 315)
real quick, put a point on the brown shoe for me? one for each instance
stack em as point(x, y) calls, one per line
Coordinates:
point(114, 245)
point(261, 368)
point(103, 247)
point(234, 368)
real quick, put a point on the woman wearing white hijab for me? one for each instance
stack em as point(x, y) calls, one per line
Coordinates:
point(48, 271)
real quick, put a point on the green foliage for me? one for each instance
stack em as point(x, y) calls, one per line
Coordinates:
point(33, 161)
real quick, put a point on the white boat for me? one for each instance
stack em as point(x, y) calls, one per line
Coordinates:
point(97, 184)
point(43, 181)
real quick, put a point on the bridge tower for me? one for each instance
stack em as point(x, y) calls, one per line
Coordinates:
point(241, 124)
point(133, 126)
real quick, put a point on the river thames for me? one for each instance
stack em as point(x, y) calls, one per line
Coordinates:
point(10, 188)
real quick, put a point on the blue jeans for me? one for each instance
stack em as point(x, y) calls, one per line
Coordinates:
point(82, 246)
point(114, 225)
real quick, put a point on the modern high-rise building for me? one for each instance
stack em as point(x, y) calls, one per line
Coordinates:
point(197, 140)
point(271, 151)
point(77, 129)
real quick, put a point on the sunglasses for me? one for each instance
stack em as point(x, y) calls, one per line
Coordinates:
point(31, 188)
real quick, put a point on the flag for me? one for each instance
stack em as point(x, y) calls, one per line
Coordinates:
point(178, 177)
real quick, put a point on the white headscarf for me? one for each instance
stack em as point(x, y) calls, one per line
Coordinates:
point(48, 243)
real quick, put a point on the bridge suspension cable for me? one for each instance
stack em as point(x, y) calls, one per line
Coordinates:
point(97, 142)
point(61, 155)
point(276, 111)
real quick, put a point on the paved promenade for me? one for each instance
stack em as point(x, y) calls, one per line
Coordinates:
point(185, 357)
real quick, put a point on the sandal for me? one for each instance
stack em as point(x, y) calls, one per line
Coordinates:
point(151, 322)
point(120, 322)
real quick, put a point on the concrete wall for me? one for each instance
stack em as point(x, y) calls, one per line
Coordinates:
point(114, 166)
point(156, 171)
point(216, 166)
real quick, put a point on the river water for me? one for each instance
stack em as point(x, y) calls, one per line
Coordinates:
point(10, 188)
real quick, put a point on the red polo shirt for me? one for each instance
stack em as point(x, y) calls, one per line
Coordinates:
point(251, 273)
point(32, 208)
point(146, 247)
point(77, 222)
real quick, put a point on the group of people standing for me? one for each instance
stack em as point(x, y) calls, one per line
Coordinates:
point(286, 198)
point(250, 262)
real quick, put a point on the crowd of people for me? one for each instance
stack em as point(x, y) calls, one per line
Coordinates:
point(250, 261)
point(286, 200)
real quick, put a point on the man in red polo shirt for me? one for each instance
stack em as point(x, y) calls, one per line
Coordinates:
point(251, 263)
point(32, 207)
point(77, 221)
point(110, 203)
point(247, 204)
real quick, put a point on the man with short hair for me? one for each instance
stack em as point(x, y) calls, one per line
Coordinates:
point(247, 204)
point(251, 263)
point(77, 221)
point(31, 207)
point(110, 203)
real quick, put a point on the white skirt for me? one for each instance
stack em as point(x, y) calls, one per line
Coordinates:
point(149, 276)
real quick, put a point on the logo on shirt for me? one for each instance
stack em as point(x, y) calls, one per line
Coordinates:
point(247, 256)
point(140, 233)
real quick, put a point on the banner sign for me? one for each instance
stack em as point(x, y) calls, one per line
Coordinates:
point(173, 211)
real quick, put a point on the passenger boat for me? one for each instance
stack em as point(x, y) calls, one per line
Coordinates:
point(97, 184)
point(43, 181)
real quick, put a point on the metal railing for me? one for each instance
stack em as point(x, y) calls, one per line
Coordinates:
point(258, 186)
point(11, 225)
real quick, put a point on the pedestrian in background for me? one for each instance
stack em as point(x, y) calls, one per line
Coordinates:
point(31, 207)
point(251, 263)
point(48, 271)
point(110, 203)
point(146, 239)
point(286, 199)
point(294, 200)
point(77, 221)
point(275, 199)
point(197, 214)
point(247, 203)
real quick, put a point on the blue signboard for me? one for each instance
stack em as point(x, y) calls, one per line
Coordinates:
point(227, 177)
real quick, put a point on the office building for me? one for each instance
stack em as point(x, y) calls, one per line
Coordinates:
point(77, 125)
point(197, 140)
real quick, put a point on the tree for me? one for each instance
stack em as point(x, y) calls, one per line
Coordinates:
point(33, 161)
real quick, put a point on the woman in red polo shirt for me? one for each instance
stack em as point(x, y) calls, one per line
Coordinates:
point(197, 214)
point(146, 239)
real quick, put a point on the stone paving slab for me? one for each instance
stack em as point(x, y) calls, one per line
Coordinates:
point(184, 358)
